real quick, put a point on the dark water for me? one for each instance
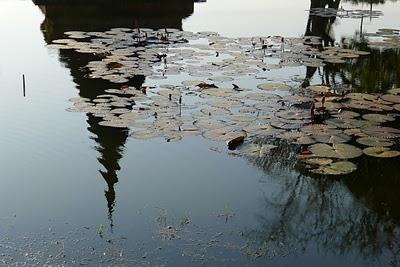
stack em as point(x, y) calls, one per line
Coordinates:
point(73, 192)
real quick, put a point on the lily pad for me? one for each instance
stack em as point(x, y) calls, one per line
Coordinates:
point(331, 139)
point(256, 150)
point(336, 168)
point(223, 134)
point(319, 88)
point(382, 132)
point(391, 98)
point(394, 91)
point(381, 152)
point(373, 141)
point(340, 151)
point(318, 161)
point(273, 87)
point(379, 118)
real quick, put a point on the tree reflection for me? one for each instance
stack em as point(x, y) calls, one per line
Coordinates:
point(358, 214)
point(374, 73)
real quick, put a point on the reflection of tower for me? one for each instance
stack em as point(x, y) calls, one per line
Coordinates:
point(101, 15)
point(321, 27)
point(110, 146)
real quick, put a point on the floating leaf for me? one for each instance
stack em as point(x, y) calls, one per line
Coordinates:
point(319, 88)
point(373, 141)
point(273, 87)
point(394, 91)
point(347, 115)
point(391, 98)
point(382, 132)
point(340, 151)
point(318, 161)
point(336, 168)
point(379, 118)
point(381, 152)
point(223, 134)
point(331, 139)
point(256, 150)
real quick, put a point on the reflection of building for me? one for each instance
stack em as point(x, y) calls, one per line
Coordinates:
point(101, 15)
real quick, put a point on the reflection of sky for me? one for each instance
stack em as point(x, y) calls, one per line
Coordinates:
point(276, 17)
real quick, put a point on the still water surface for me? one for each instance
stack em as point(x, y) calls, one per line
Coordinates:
point(73, 192)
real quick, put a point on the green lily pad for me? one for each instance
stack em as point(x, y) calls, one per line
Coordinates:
point(318, 161)
point(340, 151)
point(336, 168)
point(319, 88)
point(391, 98)
point(394, 91)
point(374, 142)
point(223, 134)
point(382, 132)
point(381, 152)
point(273, 87)
point(256, 150)
point(379, 118)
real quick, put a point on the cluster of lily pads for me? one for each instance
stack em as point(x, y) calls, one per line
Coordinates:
point(123, 53)
point(354, 127)
point(344, 13)
point(214, 106)
point(384, 39)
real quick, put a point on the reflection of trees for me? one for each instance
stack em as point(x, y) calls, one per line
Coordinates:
point(370, 74)
point(358, 214)
point(375, 72)
point(102, 15)
point(307, 212)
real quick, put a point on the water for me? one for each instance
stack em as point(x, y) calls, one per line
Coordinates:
point(73, 192)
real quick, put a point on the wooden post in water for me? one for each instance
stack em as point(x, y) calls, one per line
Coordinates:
point(180, 106)
point(23, 84)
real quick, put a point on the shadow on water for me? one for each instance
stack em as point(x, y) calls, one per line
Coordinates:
point(61, 16)
point(359, 214)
